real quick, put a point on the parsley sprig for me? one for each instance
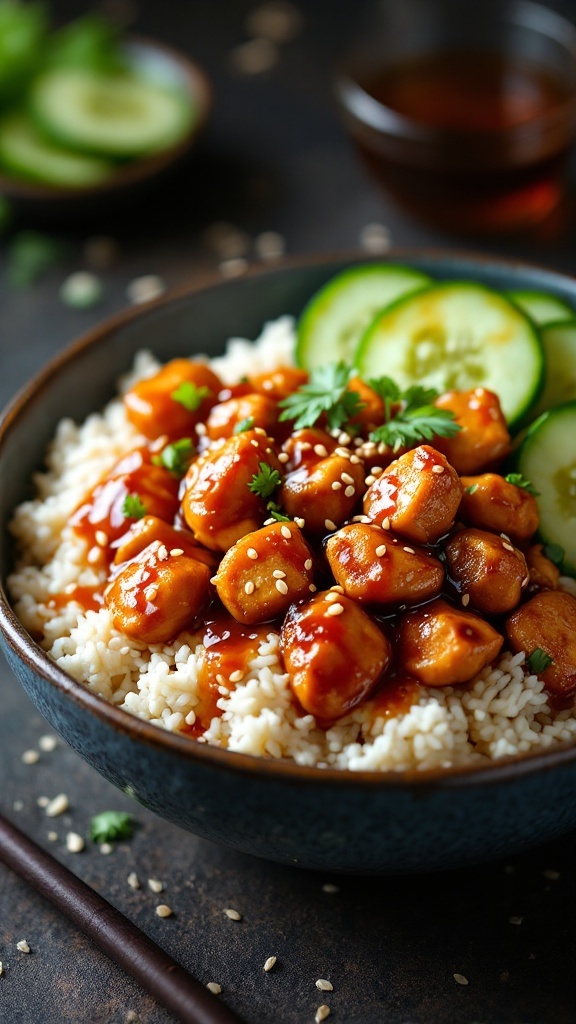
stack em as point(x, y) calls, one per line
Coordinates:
point(265, 481)
point(416, 418)
point(109, 826)
point(133, 507)
point(538, 661)
point(326, 393)
point(519, 481)
point(175, 457)
point(190, 395)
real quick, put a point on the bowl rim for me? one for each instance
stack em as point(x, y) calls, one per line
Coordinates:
point(123, 722)
point(198, 85)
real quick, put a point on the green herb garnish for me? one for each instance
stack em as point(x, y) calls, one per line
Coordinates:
point(133, 507)
point(519, 481)
point(29, 255)
point(539, 660)
point(416, 420)
point(277, 513)
point(265, 482)
point(243, 425)
point(471, 489)
point(189, 395)
point(555, 553)
point(175, 457)
point(109, 826)
point(325, 393)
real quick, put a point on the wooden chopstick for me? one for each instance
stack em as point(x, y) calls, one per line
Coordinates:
point(121, 940)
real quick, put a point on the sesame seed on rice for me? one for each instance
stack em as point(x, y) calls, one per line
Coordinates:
point(269, 963)
point(324, 986)
point(163, 910)
point(232, 914)
point(214, 987)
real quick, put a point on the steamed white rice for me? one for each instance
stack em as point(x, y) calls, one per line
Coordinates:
point(504, 711)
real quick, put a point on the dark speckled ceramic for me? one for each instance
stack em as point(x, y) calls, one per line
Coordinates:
point(329, 820)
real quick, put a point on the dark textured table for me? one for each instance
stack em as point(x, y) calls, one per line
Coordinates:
point(274, 159)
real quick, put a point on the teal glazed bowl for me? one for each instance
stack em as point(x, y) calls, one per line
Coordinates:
point(365, 822)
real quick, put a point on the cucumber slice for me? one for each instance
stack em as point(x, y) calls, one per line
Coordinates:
point(27, 154)
point(455, 336)
point(334, 320)
point(559, 341)
point(542, 307)
point(116, 115)
point(548, 459)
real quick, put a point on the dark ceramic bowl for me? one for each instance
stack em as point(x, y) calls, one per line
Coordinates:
point(136, 178)
point(326, 819)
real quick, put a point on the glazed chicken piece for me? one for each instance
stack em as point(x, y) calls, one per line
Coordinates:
point(334, 652)
point(442, 646)
point(375, 567)
point(280, 383)
point(174, 400)
point(483, 439)
point(492, 503)
point(543, 573)
point(262, 574)
point(325, 483)
point(218, 504)
point(243, 412)
point(149, 529)
point(487, 569)
point(418, 495)
point(371, 415)
point(547, 622)
point(157, 595)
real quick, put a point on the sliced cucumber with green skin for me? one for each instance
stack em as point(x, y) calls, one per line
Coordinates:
point(548, 459)
point(559, 341)
point(121, 116)
point(455, 336)
point(334, 320)
point(542, 307)
point(26, 153)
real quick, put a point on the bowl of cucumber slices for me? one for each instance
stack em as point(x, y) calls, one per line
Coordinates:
point(425, 777)
point(89, 114)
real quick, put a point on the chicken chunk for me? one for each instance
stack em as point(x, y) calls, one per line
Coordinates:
point(483, 439)
point(547, 622)
point(262, 574)
point(334, 652)
point(157, 595)
point(174, 400)
point(244, 412)
point(487, 570)
point(543, 573)
point(149, 529)
point(374, 567)
point(418, 495)
point(324, 489)
point(491, 502)
point(442, 646)
point(280, 383)
point(218, 504)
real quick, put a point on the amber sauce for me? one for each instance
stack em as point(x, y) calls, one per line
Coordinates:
point(498, 144)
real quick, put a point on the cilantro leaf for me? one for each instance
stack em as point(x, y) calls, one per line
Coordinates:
point(243, 425)
point(190, 395)
point(539, 660)
point(109, 826)
point(325, 393)
point(133, 507)
point(176, 457)
point(471, 489)
point(416, 423)
point(265, 482)
point(555, 553)
point(519, 481)
point(277, 513)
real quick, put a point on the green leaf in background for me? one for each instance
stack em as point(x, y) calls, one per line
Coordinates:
point(91, 43)
point(23, 31)
point(29, 255)
point(109, 826)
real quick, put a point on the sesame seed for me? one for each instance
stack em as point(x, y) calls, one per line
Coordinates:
point(344, 438)
point(93, 555)
point(308, 564)
point(286, 531)
point(461, 979)
point(214, 987)
point(30, 757)
point(322, 1013)
point(335, 609)
point(52, 836)
point(269, 522)
point(133, 880)
point(57, 806)
point(330, 887)
point(329, 524)
point(1, 968)
point(74, 842)
point(47, 743)
point(525, 581)
point(342, 452)
point(176, 551)
point(508, 547)
point(162, 910)
point(376, 470)
point(438, 468)
point(283, 457)
point(386, 523)
point(278, 574)
point(321, 450)
point(300, 523)
point(331, 596)
point(162, 552)
point(369, 480)
point(346, 478)
point(505, 536)
point(254, 443)
point(101, 538)
point(260, 430)
point(42, 801)
point(281, 587)
point(232, 914)
point(337, 588)
point(465, 599)
point(201, 429)
point(155, 885)
point(252, 553)
point(380, 551)
point(350, 491)
point(151, 592)
point(106, 848)
point(336, 485)
point(236, 676)
point(361, 519)
point(312, 588)
point(249, 587)
point(23, 946)
point(269, 964)
point(324, 986)
point(355, 460)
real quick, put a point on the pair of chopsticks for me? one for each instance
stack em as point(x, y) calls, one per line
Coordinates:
point(121, 940)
